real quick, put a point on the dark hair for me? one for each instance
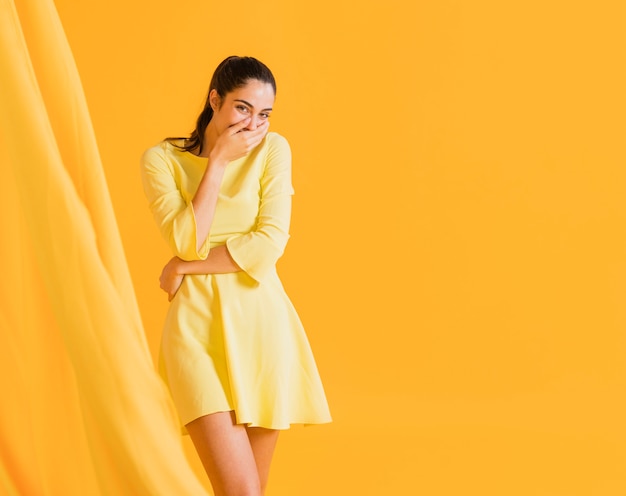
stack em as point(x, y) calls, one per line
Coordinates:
point(232, 73)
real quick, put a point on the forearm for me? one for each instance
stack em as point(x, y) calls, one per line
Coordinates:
point(218, 261)
point(231, 144)
point(205, 200)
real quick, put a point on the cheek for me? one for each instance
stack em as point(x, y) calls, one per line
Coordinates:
point(220, 120)
point(226, 119)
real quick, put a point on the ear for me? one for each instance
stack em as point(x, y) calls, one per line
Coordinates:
point(214, 100)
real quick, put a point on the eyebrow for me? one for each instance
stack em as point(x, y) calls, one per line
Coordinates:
point(252, 106)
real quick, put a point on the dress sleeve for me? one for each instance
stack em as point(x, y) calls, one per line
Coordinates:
point(258, 251)
point(173, 214)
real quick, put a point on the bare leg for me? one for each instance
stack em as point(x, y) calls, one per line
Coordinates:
point(226, 454)
point(263, 441)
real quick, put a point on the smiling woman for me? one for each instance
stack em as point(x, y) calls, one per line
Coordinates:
point(234, 352)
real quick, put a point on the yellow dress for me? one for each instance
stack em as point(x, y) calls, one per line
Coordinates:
point(234, 341)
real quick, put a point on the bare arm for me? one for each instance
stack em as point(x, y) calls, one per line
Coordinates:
point(233, 143)
point(205, 199)
point(257, 251)
point(186, 224)
point(218, 261)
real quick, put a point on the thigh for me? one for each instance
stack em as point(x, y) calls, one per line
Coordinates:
point(226, 453)
point(263, 441)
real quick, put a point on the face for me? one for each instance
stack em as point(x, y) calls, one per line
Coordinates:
point(254, 100)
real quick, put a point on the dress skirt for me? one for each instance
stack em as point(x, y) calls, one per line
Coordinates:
point(242, 349)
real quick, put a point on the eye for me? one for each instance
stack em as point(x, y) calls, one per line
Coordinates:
point(264, 115)
point(242, 108)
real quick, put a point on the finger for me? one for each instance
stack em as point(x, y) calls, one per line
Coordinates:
point(263, 126)
point(256, 136)
point(262, 129)
point(235, 128)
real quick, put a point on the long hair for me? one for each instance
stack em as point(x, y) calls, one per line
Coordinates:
point(232, 73)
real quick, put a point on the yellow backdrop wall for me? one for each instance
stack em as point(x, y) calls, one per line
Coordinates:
point(458, 241)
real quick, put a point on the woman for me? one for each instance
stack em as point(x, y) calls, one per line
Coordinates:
point(233, 352)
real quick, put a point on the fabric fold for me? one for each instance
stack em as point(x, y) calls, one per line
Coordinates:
point(82, 319)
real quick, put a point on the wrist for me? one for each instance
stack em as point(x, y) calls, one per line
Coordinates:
point(216, 160)
point(177, 266)
point(213, 175)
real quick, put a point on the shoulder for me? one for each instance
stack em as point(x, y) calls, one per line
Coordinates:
point(159, 157)
point(156, 152)
point(276, 140)
point(276, 177)
point(277, 146)
point(161, 150)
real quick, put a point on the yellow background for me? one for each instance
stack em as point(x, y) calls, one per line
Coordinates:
point(458, 239)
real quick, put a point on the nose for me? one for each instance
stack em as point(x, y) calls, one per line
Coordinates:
point(252, 125)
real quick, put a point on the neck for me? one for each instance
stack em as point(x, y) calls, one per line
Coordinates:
point(210, 137)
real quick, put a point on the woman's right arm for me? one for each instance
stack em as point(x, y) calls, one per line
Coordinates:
point(173, 213)
point(232, 144)
point(184, 224)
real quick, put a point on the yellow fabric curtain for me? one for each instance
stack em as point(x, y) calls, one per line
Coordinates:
point(83, 411)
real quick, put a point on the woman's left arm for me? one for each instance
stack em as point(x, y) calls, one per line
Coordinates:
point(258, 251)
point(218, 261)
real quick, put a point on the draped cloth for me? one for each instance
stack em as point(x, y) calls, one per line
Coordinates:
point(83, 411)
